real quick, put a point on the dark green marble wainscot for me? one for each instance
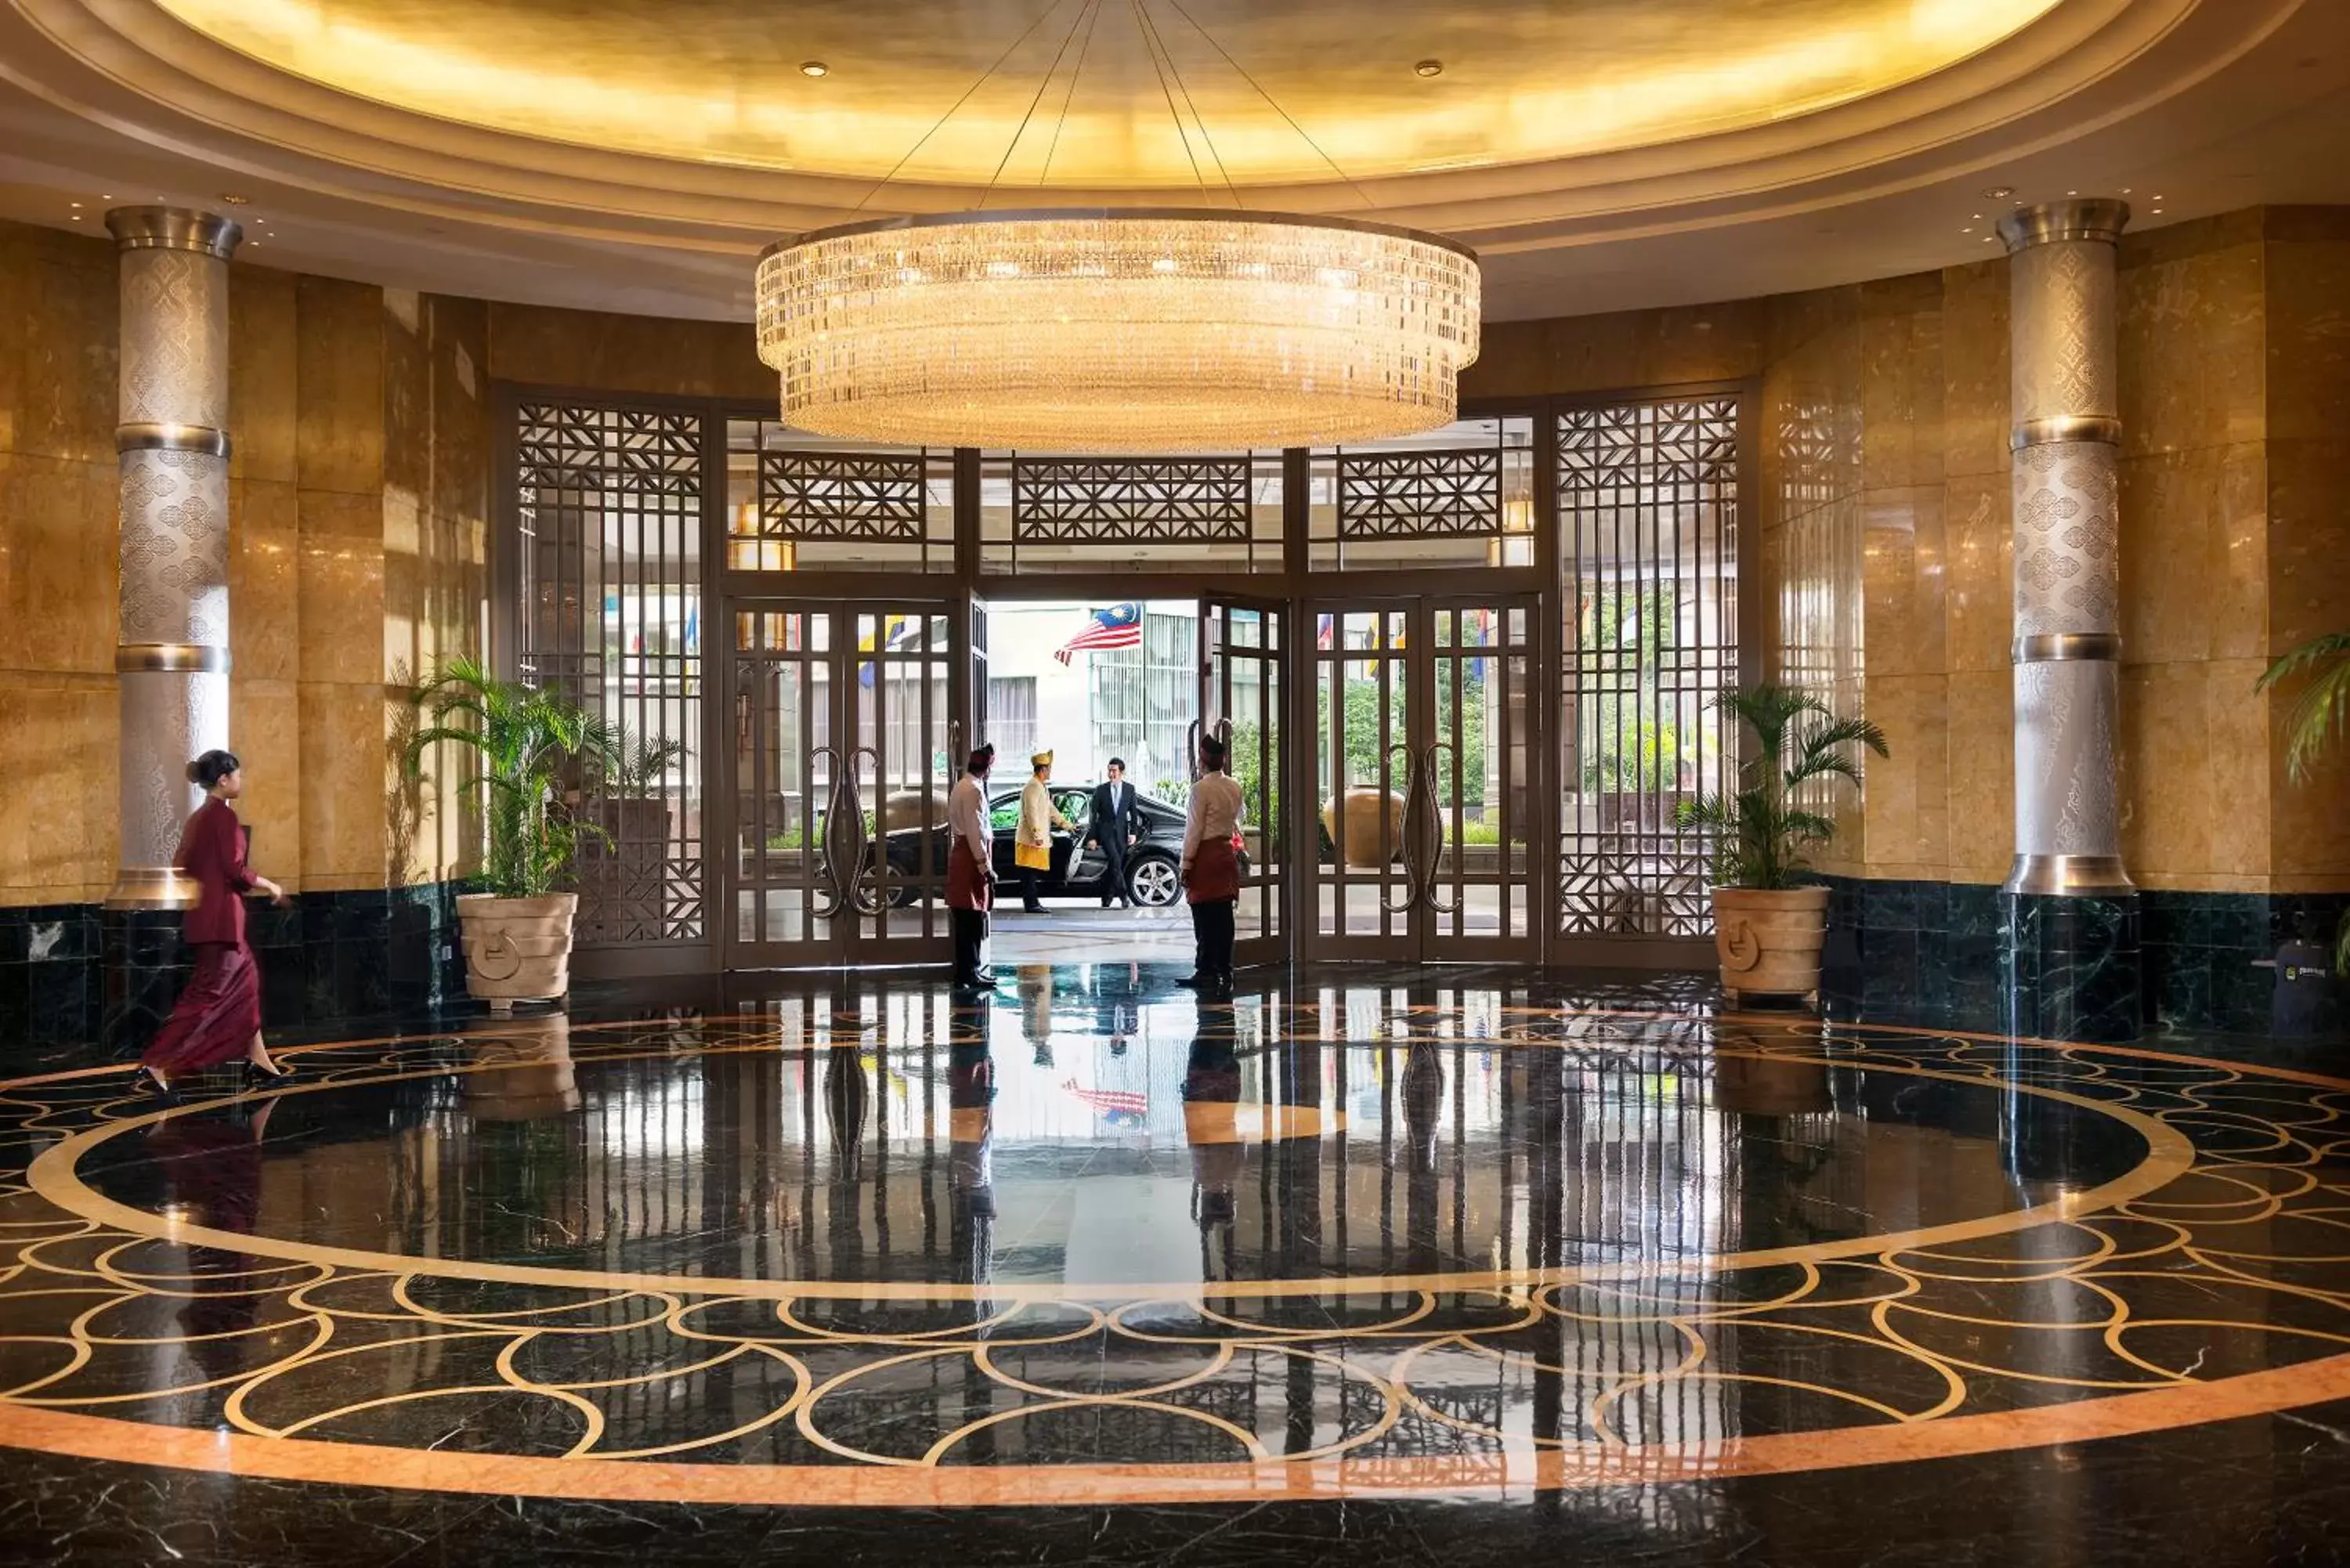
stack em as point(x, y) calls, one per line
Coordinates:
point(73, 973)
point(1931, 954)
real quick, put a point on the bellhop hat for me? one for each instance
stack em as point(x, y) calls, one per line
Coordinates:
point(1042, 758)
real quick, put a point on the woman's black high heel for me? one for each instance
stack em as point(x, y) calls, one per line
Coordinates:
point(152, 1086)
point(254, 1072)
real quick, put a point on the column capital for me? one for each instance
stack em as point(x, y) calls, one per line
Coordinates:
point(173, 229)
point(2099, 218)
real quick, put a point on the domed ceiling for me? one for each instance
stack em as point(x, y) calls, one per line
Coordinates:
point(1111, 93)
point(1598, 154)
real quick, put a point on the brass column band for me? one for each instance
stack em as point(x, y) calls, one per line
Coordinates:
point(149, 437)
point(2094, 218)
point(171, 659)
point(2051, 647)
point(2068, 874)
point(173, 229)
point(2058, 428)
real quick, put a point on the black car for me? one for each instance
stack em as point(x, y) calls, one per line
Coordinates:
point(1153, 861)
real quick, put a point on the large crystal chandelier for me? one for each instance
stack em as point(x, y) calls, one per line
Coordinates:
point(1123, 329)
point(1139, 330)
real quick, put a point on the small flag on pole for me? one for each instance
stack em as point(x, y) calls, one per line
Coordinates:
point(1119, 626)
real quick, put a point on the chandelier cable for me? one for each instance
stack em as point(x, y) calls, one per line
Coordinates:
point(1151, 36)
point(1042, 88)
point(1273, 102)
point(1093, 14)
point(1142, 30)
point(933, 131)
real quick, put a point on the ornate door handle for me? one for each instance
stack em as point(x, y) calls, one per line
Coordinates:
point(1412, 890)
point(1431, 824)
point(827, 850)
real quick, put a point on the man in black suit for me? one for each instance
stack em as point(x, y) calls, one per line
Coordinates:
point(1112, 826)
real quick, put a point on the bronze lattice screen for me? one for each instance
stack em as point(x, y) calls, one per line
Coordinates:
point(1648, 517)
point(609, 504)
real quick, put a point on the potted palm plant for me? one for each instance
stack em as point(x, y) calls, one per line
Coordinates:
point(529, 742)
point(1768, 926)
point(2320, 717)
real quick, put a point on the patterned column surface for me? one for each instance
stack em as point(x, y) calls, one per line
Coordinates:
point(2067, 558)
point(172, 443)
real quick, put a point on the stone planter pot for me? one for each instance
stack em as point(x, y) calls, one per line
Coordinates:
point(525, 1073)
point(1769, 942)
point(1362, 842)
point(516, 950)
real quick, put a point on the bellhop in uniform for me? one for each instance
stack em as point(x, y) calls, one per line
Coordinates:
point(1032, 847)
point(1212, 869)
point(971, 871)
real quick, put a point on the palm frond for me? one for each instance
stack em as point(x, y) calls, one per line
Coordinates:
point(2320, 716)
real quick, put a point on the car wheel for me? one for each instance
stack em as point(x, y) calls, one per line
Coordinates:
point(1154, 882)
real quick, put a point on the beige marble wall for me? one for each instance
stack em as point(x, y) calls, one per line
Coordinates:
point(2307, 487)
point(2191, 334)
point(57, 574)
point(359, 517)
point(436, 510)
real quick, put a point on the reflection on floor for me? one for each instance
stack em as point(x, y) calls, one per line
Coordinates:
point(1390, 1268)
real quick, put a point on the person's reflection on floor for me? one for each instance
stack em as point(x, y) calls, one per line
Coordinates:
point(970, 1174)
point(1117, 1014)
point(1212, 1095)
point(1423, 1109)
point(848, 1099)
point(1036, 1009)
point(211, 1168)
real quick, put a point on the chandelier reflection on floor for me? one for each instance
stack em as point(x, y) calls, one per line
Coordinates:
point(1118, 329)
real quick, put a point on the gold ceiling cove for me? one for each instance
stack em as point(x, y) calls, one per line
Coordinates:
point(720, 81)
point(1128, 330)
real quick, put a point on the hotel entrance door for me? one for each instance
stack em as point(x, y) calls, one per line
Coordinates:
point(845, 719)
point(1423, 772)
point(1242, 645)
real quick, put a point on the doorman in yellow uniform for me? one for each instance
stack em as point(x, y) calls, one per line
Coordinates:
point(1032, 847)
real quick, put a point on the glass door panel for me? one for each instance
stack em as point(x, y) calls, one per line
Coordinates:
point(841, 718)
point(1477, 783)
point(1365, 898)
point(1424, 768)
point(1242, 644)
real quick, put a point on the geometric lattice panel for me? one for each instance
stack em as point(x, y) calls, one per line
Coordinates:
point(608, 520)
point(841, 496)
point(1446, 494)
point(1152, 500)
point(1648, 513)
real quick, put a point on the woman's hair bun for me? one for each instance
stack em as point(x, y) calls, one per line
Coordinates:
point(212, 767)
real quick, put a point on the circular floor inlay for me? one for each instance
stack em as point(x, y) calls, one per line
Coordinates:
point(1282, 1254)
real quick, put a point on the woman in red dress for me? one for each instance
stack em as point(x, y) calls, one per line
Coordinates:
point(219, 1015)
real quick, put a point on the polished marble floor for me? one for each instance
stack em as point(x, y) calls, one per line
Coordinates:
point(1374, 1266)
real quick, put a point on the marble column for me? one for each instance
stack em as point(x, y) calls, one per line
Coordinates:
point(172, 438)
point(2070, 913)
point(172, 653)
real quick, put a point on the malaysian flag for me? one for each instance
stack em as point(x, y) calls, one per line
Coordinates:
point(1119, 1108)
point(1120, 626)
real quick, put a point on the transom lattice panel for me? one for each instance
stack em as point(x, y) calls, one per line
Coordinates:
point(654, 451)
point(1440, 494)
point(1124, 501)
point(608, 516)
point(1647, 505)
point(864, 496)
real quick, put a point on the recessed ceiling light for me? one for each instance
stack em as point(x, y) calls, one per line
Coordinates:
point(2072, 192)
point(1998, 192)
point(1429, 68)
point(815, 69)
point(233, 200)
